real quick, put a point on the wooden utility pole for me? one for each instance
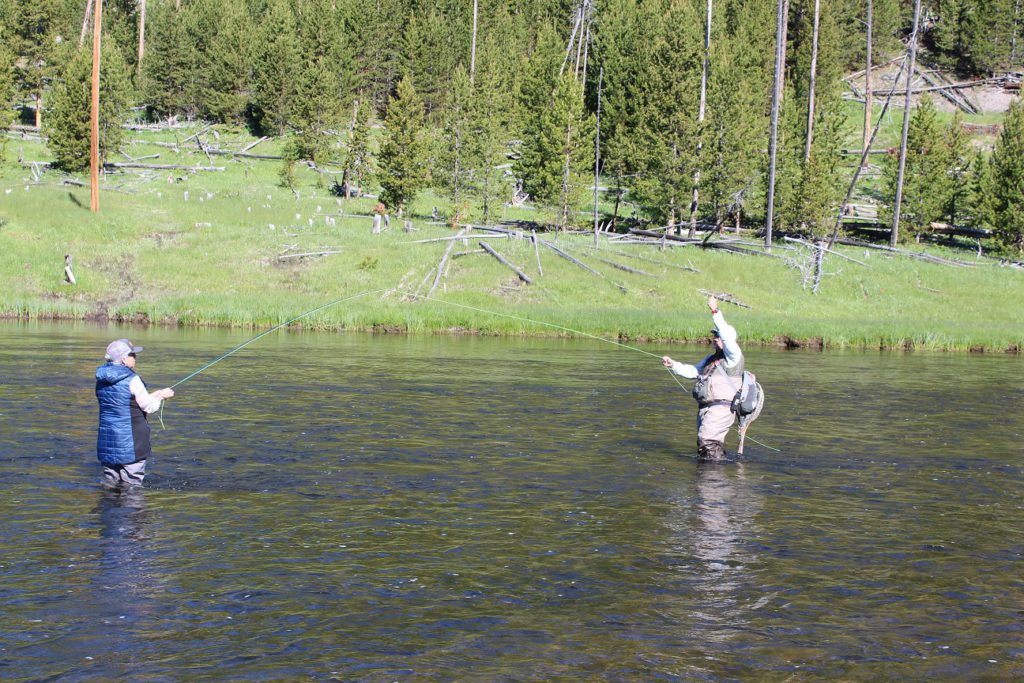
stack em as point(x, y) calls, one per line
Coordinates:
point(94, 135)
point(472, 50)
point(814, 73)
point(868, 99)
point(781, 20)
point(695, 200)
point(142, 35)
point(597, 150)
point(911, 57)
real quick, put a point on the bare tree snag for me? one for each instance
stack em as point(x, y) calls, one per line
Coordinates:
point(69, 275)
point(695, 200)
point(85, 23)
point(781, 21)
point(142, 35)
point(814, 73)
point(94, 135)
point(868, 97)
point(911, 56)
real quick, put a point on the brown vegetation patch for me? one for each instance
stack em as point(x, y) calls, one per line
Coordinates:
point(380, 328)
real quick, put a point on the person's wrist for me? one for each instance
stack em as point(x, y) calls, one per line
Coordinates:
point(714, 311)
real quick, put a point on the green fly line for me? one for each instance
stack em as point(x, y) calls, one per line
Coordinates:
point(427, 298)
point(264, 334)
point(570, 330)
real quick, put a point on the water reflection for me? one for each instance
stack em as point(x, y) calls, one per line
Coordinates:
point(725, 508)
point(122, 594)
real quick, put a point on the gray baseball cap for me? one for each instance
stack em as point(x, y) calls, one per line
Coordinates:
point(117, 350)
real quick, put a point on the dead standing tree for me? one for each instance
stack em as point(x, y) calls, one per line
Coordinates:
point(700, 119)
point(868, 97)
point(911, 56)
point(781, 21)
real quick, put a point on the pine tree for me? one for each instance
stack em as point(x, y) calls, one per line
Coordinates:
point(956, 154)
point(555, 149)
point(737, 124)
point(324, 87)
point(926, 183)
point(1007, 181)
point(403, 171)
point(980, 192)
point(667, 114)
point(432, 46)
point(276, 57)
point(491, 109)
point(623, 49)
point(357, 153)
point(68, 126)
point(373, 27)
point(169, 71)
point(6, 93)
point(42, 28)
point(455, 158)
point(225, 63)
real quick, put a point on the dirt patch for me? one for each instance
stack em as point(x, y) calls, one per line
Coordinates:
point(813, 343)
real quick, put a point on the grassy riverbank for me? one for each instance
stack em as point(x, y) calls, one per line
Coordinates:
point(206, 248)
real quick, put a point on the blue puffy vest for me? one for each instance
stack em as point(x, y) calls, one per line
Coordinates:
point(124, 432)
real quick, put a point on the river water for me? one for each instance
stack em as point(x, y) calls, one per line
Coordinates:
point(351, 507)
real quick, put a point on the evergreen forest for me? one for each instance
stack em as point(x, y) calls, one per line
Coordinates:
point(669, 102)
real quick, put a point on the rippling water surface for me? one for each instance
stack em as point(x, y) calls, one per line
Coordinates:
point(379, 508)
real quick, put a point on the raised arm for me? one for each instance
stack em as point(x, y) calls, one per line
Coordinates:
point(727, 333)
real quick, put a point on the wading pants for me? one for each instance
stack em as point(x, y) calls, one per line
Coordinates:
point(713, 425)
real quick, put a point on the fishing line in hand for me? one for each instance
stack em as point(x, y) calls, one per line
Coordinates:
point(264, 334)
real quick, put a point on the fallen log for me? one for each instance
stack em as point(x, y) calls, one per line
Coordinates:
point(622, 266)
point(308, 253)
point(853, 242)
point(501, 259)
point(460, 236)
point(444, 260)
point(579, 263)
point(164, 167)
point(253, 144)
point(648, 260)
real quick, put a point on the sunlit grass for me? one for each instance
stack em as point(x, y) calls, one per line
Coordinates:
point(212, 257)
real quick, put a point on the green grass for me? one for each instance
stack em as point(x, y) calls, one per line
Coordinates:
point(151, 256)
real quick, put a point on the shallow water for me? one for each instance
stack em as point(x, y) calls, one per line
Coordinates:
point(380, 508)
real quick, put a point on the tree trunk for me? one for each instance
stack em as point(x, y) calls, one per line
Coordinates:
point(94, 136)
point(597, 150)
point(472, 49)
point(85, 23)
point(814, 72)
point(1016, 27)
point(142, 35)
point(868, 103)
point(911, 57)
point(781, 20)
point(695, 200)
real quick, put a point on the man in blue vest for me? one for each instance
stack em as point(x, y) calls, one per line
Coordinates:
point(122, 445)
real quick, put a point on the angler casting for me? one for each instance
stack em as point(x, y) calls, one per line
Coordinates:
point(719, 377)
